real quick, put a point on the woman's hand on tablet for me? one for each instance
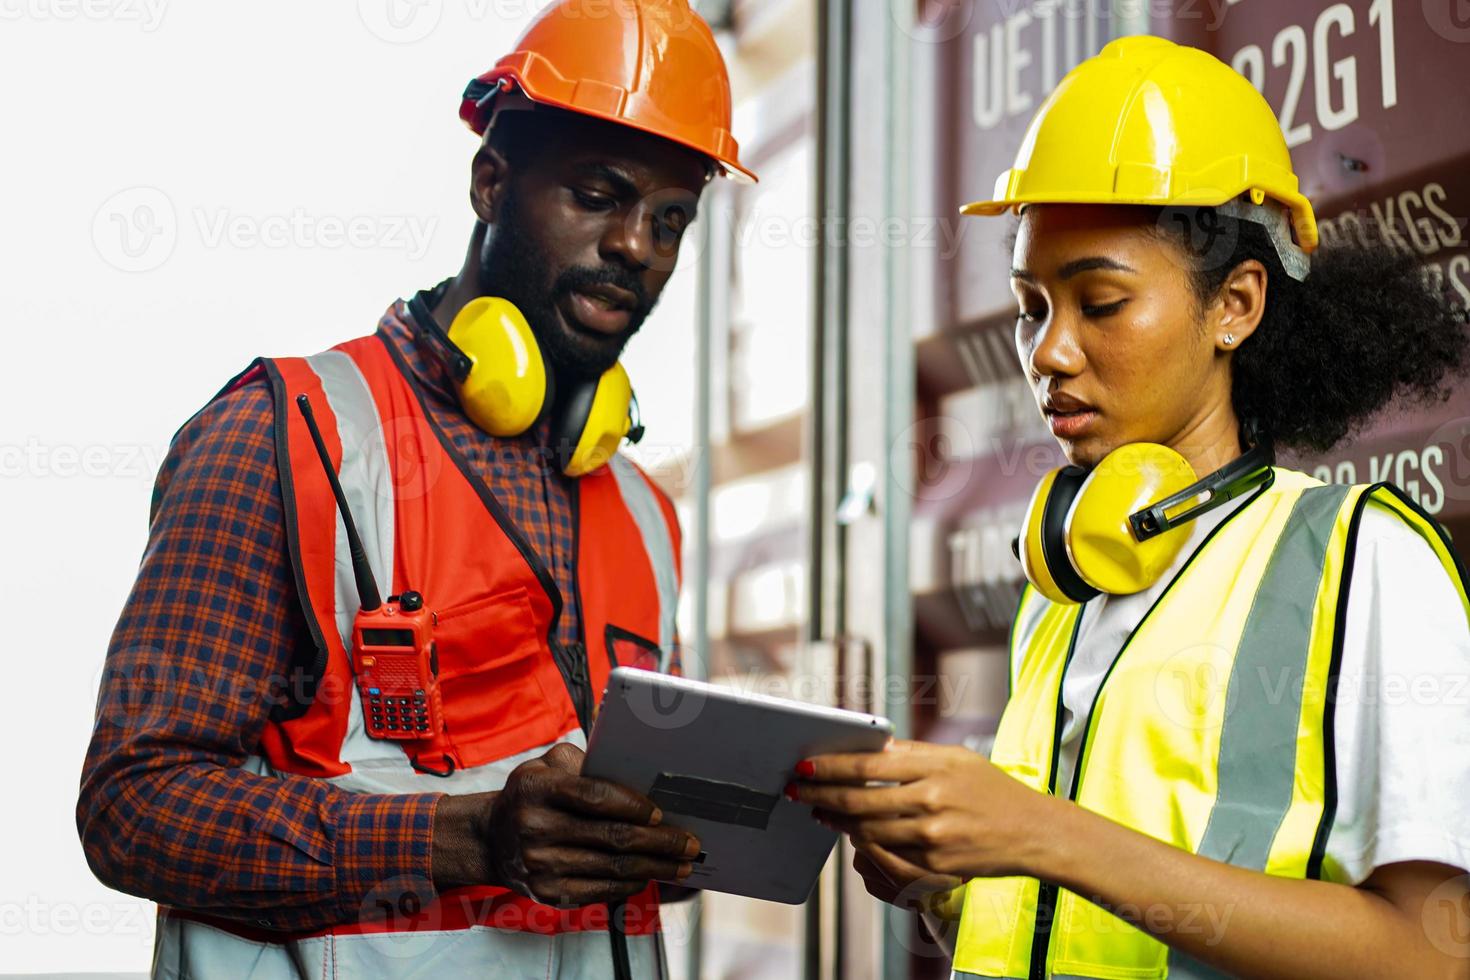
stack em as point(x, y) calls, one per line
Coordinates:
point(945, 814)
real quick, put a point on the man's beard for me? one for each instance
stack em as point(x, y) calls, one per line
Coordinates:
point(513, 267)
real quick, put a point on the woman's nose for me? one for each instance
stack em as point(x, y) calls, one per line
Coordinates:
point(1055, 351)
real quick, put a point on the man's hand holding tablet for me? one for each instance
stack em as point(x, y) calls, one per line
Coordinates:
point(556, 836)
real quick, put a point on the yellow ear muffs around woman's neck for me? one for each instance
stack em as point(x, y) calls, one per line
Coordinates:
point(1111, 529)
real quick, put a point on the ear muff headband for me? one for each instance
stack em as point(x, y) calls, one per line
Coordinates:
point(443, 349)
point(1246, 472)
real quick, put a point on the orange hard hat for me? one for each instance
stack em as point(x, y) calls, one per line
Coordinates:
point(649, 64)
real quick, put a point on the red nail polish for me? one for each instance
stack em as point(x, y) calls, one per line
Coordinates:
point(790, 791)
point(806, 768)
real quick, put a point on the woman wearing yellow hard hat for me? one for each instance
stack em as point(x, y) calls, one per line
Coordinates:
point(1198, 772)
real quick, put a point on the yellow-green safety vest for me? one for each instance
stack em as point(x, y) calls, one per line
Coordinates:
point(1212, 730)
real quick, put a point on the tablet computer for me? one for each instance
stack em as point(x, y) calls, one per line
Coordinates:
point(716, 761)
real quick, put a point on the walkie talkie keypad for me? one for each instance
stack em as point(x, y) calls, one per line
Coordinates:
point(405, 713)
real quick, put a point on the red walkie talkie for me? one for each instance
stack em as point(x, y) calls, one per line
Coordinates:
point(393, 654)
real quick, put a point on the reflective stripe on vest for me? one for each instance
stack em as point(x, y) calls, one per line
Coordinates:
point(429, 523)
point(191, 950)
point(654, 528)
point(1218, 743)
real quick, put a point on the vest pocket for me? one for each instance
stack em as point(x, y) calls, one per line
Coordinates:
point(501, 690)
point(627, 649)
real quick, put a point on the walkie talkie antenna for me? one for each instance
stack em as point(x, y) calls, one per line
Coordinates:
point(367, 588)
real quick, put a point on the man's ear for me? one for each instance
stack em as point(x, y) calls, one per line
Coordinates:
point(489, 175)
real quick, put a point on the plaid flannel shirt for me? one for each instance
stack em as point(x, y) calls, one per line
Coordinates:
point(165, 810)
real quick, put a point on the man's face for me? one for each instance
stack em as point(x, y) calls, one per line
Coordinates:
point(586, 233)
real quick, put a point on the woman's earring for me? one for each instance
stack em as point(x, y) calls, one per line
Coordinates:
point(1229, 339)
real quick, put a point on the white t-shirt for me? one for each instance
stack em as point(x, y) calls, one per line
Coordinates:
point(1402, 716)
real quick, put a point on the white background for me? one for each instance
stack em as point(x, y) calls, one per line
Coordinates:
point(185, 185)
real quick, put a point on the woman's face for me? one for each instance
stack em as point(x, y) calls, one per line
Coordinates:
point(1112, 338)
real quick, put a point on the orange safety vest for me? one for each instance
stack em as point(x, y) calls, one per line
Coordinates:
point(429, 524)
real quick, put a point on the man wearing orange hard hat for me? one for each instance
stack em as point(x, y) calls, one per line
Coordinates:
point(341, 724)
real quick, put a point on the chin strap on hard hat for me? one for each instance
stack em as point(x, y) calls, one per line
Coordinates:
point(1275, 218)
point(493, 98)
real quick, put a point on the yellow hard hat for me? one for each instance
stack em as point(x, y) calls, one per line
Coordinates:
point(1148, 121)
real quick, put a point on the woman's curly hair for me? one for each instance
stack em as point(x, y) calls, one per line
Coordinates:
point(1363, 331)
